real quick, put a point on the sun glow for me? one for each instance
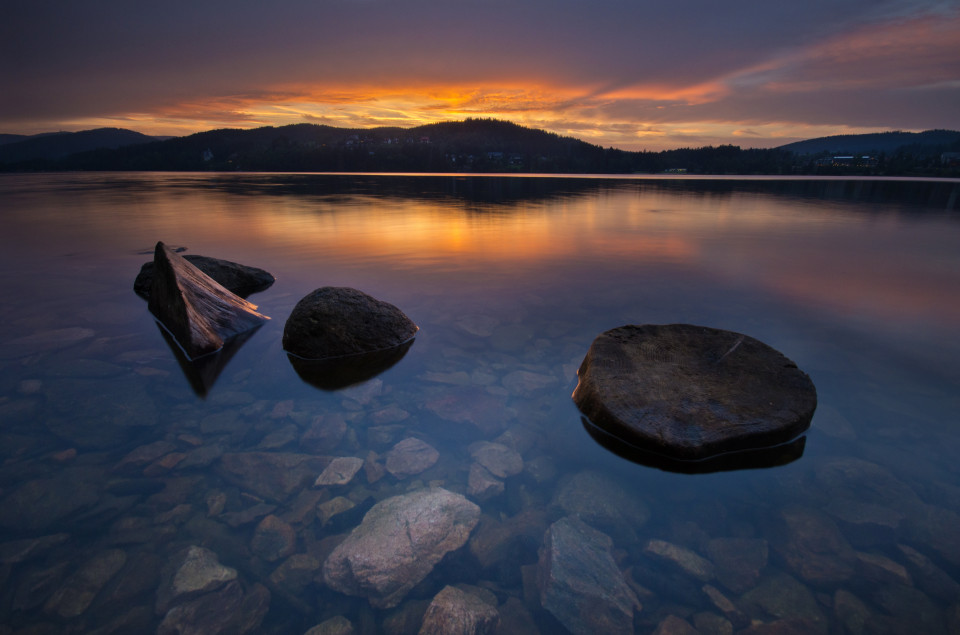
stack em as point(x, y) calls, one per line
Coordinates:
point(638, 117)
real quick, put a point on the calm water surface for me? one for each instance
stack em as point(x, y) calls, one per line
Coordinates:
point(114, 459)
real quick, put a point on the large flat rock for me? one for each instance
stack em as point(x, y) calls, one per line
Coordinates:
point(692, 392)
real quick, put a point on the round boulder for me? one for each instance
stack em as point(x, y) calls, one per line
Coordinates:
point(692, 392)
point(340, 321)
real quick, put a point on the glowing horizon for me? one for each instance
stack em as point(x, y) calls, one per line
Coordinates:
point(616, 75)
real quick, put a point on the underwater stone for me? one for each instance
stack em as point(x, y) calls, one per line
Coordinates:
point(410, 456)
point(273, 539)
point(398, 543)
point(691, 392)
point(579, 581)
point(340, 471)
point(455, 611)
point(193, 571)
point(80, 589)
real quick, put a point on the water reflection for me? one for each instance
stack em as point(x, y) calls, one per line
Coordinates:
point(109, 459)
point(753, 459)
point(341, 372)
point(202, 372)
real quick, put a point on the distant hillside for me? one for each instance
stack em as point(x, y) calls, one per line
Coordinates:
point(10, 138)
point(61, 144)
point(889, 142)
point(482, 145)
point(474, 145)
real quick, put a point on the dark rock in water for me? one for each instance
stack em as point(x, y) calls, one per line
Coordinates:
point(411, 456)
point(273, 539)
point(42, 503)
point(811, 546)
point(80, 589)
point(274, 476)
point(17, 551)
point(455, 611)
point(579, 581)
point(692, 392)
point(339, 321)
point(228, 610)
point(198, 311)
point(191, 572)
point(237, 278)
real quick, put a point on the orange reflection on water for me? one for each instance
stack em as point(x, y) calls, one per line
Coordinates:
point(416, 232)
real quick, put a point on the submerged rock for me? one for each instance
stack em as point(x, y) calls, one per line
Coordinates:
point(455, 611)
point(411, 456)
point(340, 321)
point(811, 546)
point(579, 581)
point(228, 610)
point(500, 460)
point(688, 561)
point(603, 503)
point(398, 543)
point(785, 598)
point(191, 572)
point(273, 539)
point(198, 312)
point(80, 589)
point(43, 503)
point(691, 392)
point(271, 475)
point(340, 471)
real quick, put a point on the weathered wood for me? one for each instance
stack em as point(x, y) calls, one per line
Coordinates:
point(692, 392)
point(197, 311)
point(240, 279)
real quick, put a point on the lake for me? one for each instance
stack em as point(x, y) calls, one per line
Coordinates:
point(139, 493)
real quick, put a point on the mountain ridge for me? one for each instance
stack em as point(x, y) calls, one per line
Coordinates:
point(57, 145)
point(472, 145)
point(872, 142)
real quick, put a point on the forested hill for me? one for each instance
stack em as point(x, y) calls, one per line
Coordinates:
point(56, 145)
point(886, 142)
point(474, 145)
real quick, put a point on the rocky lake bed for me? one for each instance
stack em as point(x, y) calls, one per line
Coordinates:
point(454, 487)
point(364, 511)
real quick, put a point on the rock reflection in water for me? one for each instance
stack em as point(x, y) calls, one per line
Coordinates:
point(115, 479)
point(744, 460)
point(202, 372)
point(340, 372)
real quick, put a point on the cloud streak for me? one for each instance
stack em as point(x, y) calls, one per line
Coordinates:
point(614, 72)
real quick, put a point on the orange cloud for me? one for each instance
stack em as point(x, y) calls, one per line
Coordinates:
point(774, 101)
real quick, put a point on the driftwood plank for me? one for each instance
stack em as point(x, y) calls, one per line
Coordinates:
point(198, 312)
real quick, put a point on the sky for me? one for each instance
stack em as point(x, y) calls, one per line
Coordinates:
point(631, 74)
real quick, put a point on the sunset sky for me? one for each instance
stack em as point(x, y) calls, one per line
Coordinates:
point(630, 74)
